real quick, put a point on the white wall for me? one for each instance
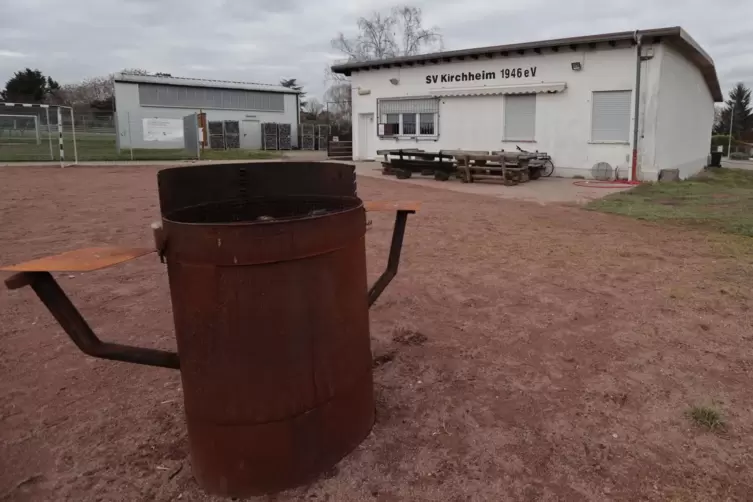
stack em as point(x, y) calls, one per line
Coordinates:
point(685, 117)
point(130, 113)
point(649, 103)
point(563, 120)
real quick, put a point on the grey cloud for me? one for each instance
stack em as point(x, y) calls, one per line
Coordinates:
point(266, 40)
point(250, 9)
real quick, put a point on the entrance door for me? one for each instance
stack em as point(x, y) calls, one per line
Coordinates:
point(251, 134)
point(366, 134)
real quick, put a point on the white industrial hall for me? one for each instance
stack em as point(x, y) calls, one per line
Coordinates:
point(574, 98)
point(151, 110)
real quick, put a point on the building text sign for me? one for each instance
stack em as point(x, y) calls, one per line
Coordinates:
point(163, 129)
point(469, 76)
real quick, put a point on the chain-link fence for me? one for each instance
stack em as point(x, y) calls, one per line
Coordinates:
point(157, 136)
point(314, 135)
point(31, 134)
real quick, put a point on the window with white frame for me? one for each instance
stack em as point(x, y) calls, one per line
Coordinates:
point(427, 124)
point(610, 117)
point(414, 117)
point(409, 124)
point(391, 124)
point(520, 117)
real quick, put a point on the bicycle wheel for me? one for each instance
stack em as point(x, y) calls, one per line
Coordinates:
point(548, 168)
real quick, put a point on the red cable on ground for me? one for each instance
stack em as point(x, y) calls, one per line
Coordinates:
point(604, 184)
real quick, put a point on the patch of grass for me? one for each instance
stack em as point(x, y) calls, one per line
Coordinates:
point(707, 417)
point(102, 147)
point(718, 199)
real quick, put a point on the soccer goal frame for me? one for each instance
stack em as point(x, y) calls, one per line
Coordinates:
point(36, 125)
point(59, 110)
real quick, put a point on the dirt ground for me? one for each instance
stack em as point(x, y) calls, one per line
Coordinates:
point(526, 352)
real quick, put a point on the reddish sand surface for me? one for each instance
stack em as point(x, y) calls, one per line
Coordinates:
point(524, 352)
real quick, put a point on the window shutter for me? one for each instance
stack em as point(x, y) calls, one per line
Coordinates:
point(420, 105)
point(520, 117)
point(611, 116)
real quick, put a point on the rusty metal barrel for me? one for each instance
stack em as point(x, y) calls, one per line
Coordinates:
point(267, 272)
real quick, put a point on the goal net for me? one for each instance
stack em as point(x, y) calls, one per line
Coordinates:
point(30, 133)
point(19, 126)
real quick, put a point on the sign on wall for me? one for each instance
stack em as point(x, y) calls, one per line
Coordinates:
point(163, 129)
point(470, 76)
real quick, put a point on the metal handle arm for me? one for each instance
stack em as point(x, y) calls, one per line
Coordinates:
point(401, 219)
point(69, 318)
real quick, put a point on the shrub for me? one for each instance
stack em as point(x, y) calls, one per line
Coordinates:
point(723, 141)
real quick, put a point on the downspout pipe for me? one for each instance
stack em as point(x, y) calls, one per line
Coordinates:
point(636, 114)
point(298, 119)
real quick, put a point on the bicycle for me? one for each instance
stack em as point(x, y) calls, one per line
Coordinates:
point(547, 166)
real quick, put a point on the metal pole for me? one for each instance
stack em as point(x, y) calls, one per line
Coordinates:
point(73, 129)
point(60, 137)
point(49, 132)
point(130, 139)
point(731, 121)
point(636, 113)
point(204, 132)
point(36, 128)
point(198, 138)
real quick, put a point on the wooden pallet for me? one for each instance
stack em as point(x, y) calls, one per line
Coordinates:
point(513, 169)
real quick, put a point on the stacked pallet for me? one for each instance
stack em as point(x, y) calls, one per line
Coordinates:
point(269, 136)
point(512, 167)
point(232, 134)
point(216, 135)
point(284, 137)
point(307, 136)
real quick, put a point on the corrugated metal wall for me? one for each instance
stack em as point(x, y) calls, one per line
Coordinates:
point(202, 97)
point(130, 115)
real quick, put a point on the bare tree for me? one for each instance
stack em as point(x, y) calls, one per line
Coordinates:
point(417, 39)
point(718, 117)
point(96, 92)
point(338, 93)
point(339, 106)
point(88, 91)
point(312, 109)
point(399, 33)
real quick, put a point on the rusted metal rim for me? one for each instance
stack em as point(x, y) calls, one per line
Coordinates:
point(259, 242)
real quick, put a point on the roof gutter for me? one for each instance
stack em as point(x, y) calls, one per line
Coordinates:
point(675, 36)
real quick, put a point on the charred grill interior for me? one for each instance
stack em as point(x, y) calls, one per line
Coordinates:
point(262, 209)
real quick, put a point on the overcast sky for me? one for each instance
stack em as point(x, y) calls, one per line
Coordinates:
point(265, 40)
